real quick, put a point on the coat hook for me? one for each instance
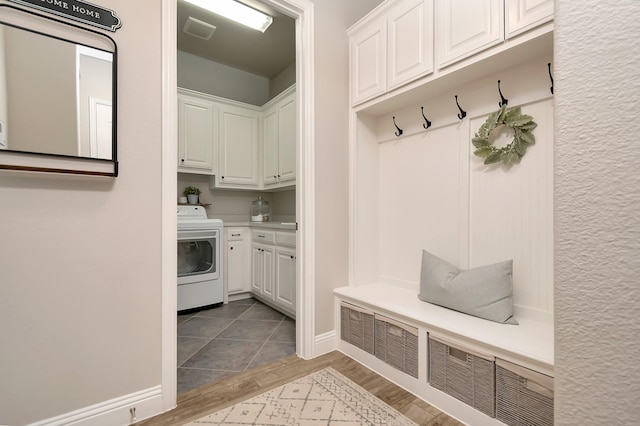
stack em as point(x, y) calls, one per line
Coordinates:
point(551, 77)
point(463, 113)
point(399, 132)
point(503, 100)
point(427, 123)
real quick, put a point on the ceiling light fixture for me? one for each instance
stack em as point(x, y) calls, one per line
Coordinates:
point(238, 12)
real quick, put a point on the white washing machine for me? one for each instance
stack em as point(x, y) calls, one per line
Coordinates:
point(200, 262)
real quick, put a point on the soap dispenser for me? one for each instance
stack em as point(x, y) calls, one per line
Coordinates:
point(260, 211)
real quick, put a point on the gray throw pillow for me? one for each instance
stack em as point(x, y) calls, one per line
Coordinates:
point(485, 292)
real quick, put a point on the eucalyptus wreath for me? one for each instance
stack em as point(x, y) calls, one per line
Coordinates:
point(522, 126)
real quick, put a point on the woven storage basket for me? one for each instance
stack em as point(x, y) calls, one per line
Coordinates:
point(356, 326)
point(523, 396)
point(396, 344)
point(467, 376)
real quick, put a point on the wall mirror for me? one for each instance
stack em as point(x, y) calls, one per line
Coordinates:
point(57, 96)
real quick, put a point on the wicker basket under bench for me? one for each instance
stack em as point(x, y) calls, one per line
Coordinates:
point(511, 366)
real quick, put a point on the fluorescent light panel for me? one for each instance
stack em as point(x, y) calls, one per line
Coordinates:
point(236, 11)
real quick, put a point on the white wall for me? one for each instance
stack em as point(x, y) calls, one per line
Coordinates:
point(597, 205)
point(332, 18)
point(80, 258)
point(210, 77)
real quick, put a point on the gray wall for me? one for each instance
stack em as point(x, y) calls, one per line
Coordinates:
point(597, 213)
point(210, 77)
point(332, 148)
point(80, 258)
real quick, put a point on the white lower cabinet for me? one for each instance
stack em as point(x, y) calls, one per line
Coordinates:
point(237, 250)
point(262, 270)
point(286, 278)
point(273, 269)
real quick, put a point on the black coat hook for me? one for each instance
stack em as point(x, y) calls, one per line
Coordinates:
point(550, 77)
point(503, 100)
point(463, 113)
point(427, 123)
point(399, 132)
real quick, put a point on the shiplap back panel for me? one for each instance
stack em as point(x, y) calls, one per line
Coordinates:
point(419, 209)
point(511, 212)
point(434, 194)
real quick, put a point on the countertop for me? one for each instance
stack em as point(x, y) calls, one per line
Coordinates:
point(268, 225)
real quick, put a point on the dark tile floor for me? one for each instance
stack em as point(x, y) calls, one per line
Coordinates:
point(229, 339)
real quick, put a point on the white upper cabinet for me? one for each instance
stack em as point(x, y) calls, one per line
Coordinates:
point(523, 15)
point(392, 50)
point(239, 138)
point(368, 51)
point(244, 146)
point(279, 143)
point(197, 125)
point(466, 27)
point(409, 41)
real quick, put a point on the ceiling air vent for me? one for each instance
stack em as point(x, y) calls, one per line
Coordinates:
point(198, 28)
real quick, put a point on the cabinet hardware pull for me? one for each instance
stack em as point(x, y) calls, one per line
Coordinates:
point(235, 235)
point(292, 257)
point(463, 113)
point(230, 248)
point(503, 100)
point(399, 132)
point(427, 123)
point(182, 160)
point(550, 77)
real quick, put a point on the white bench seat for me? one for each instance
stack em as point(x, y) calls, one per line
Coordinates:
point(529, 344)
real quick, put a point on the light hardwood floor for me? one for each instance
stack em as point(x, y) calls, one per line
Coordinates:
point(224, 393)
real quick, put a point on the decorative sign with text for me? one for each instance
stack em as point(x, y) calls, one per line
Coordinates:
point(77, 10)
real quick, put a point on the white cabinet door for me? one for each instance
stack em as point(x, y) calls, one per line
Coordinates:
point(467, 27)
point(279, 144)
point(237, 250)
point(239, 137)
point(285, 295)
point(523, 15)
point(410, 41)
point(262, 270)
point(197, 124)
point(270, 146)
point(287, 139)
point(368, 70)
point(257, 268)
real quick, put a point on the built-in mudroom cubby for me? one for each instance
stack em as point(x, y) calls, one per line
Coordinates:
point(451, 152)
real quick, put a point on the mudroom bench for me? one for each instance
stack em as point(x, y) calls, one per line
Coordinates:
point(478, 371)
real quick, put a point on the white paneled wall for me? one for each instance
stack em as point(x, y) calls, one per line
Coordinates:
point(511, 212)
point(419, 209)
point(426, 190)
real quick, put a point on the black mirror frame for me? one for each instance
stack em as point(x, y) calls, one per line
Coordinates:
point(58, 163)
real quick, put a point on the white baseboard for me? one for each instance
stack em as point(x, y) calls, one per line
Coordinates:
point(325, 343)
point(123, 410)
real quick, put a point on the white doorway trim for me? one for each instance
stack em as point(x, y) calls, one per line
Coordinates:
point(302, 12)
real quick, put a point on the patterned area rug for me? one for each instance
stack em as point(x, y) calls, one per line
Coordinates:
point(322, 398)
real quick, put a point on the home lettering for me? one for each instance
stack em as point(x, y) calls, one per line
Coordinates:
point(86, 12)
point(58, 3)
